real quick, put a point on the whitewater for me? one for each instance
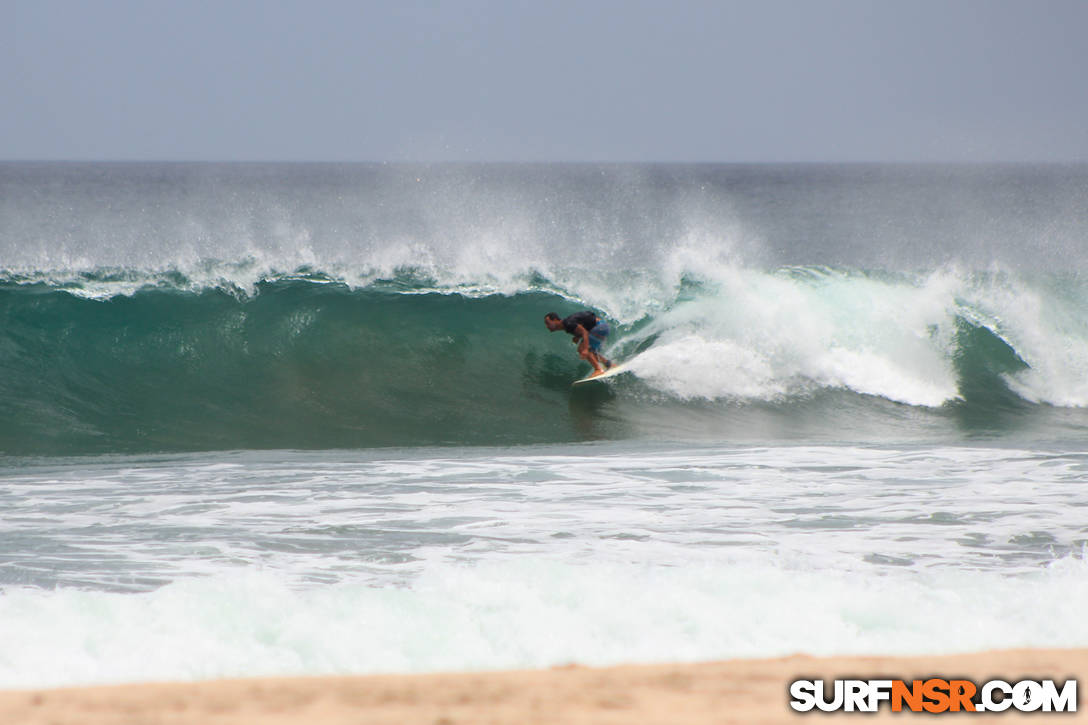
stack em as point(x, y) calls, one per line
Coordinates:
point(302, 419)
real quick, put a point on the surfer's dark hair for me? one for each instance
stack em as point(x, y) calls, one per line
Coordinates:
point(552, 316)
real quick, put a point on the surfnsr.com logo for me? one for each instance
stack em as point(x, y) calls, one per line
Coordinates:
point(934, 695)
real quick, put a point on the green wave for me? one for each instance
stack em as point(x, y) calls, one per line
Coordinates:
point(297, 365)
point(313, 363)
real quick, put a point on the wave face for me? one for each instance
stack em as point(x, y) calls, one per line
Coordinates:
point(298, 364)
point(151, 307)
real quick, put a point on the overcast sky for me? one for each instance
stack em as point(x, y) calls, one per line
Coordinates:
point(581, 80)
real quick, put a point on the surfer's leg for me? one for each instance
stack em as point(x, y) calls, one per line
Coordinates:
point(597, 337)
point(591, 357)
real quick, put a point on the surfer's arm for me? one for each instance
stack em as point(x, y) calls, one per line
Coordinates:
point(582, 338)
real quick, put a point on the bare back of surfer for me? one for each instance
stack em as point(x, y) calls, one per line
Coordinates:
point(589, 332)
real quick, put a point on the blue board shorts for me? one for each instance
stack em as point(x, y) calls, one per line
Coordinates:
point(598, 335)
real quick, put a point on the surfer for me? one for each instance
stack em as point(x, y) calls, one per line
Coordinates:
point(589, 333)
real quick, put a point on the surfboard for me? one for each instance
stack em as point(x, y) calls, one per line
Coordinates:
point(610, 372)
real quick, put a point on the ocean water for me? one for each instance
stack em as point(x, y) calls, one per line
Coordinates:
point(306, 419)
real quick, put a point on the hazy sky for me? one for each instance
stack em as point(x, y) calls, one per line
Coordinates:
point(593, 80)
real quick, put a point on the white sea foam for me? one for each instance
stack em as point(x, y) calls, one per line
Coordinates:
point(765, 334)
point(211, 565)
point(528, 613)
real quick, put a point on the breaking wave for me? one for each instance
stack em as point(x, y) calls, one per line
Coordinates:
point(133, 360)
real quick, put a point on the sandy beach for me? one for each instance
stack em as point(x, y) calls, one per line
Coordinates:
point(736, 691)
